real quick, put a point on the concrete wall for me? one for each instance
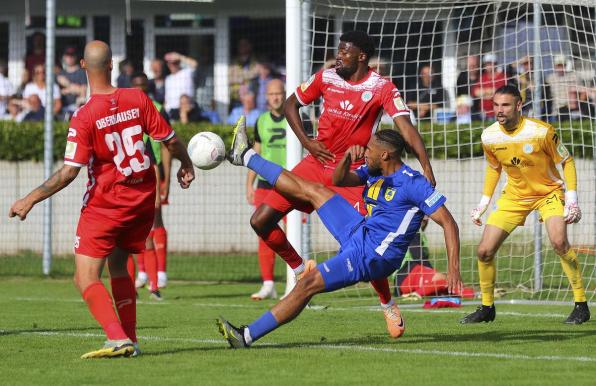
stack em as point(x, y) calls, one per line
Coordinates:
point(213, 214)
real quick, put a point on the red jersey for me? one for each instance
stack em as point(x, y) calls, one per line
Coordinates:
point(106, 134)
point(351, 111)
point(487, 81)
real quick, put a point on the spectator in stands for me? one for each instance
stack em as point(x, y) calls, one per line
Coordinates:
point(14, 111)
point(38, 87)
point(241, 70)
point(6, 89)
point(468, 78)
point(187, 112)
point(586, 99)
point(428, 94)
point(492, 78)
point(37, 52)
point(180, 81)
point(463, 109)
point(560, 82)
point(72, 80)
point(35, 111)
point(126, 69)
point(248, 109)
point(157, 85)
point(578, 104)
point(210, 114)
point(258, 84)
point(522, 75)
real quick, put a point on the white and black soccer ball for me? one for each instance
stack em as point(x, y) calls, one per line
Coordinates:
point(206, 150)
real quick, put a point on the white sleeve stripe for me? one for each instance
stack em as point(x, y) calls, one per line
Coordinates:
point(168, 137)
point(400, 113)
point(75, 164)
point(401, 229)
point(300, 100)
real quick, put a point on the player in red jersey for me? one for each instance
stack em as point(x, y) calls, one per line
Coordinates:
point(354, 97)
point(106, 135)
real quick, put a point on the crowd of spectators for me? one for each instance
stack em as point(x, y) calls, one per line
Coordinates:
point(185, 89)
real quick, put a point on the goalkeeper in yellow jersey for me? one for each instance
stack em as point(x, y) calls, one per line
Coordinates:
point(527, 150)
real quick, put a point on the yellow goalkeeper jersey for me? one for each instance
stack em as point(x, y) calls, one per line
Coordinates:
point(528, 155)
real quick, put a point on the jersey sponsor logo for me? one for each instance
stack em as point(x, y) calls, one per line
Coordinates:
point(528, 148)
point(331, 89)
point(349, 265)
point(326, 268)
point(389, 194)
point(71, 150)
point(399, 103)
point(433, 198)
point(562, 150)
point(366, 96)
point(280, 134)
point(111, 120)
point(500, 148)
point(407, 173)
point(515, 161)
point(346, 105)
point(306, 84)
point(521, 163)
point(71, 132)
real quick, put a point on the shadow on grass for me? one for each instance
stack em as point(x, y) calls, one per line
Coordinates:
point(91, 330)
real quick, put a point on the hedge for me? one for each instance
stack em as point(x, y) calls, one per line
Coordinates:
point(24, 141)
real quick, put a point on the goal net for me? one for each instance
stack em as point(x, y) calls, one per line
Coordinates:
point(437, 54)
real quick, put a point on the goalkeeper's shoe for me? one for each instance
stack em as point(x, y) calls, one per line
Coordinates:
point(112, 349)
point(580, 314)
point(266, 292)
point(239, 143)
point(162, 279)
point(231, 333)
point(482, 314)
point(156, 295)
point(395, 322)
point(141, 280)
point(309, 265)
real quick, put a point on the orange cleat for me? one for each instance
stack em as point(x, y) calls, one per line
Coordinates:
point(395, 323)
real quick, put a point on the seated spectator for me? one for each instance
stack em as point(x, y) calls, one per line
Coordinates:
point(187, 112)
point(492, 78)
point(157, 85)
point(180, 81)
point(248, 109)
point(6, 89)
point(242, 69)
point(427, 96)
point(73, 81)
point(560, 83)
point(14, 110)
point(38, 87)
point(35, 112)
point(126, 69)
point(211, 114)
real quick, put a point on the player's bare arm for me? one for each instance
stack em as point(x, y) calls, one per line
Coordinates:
point(186, 173)
point(314, 147)
point(58, 181)
point(414, 140)
point(443, 217)
point(166, 160)
point(342, 175)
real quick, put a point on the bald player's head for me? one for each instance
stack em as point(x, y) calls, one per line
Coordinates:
point(276, 94)
point(97, 56)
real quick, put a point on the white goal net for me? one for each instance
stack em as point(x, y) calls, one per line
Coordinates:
point(437, 53)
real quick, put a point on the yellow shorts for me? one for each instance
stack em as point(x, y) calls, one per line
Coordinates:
point(512, 212)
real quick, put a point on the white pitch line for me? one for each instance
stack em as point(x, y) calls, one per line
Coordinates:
point(344, 347)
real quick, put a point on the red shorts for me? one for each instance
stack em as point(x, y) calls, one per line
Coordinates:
point(311, 169)
point(97, 236)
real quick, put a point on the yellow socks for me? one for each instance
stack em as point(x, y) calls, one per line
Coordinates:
point(488, 276)
point(571, 268)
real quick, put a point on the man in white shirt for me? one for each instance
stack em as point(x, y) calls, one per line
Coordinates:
point(38, 87)
point(6, 88)
point(180, 81)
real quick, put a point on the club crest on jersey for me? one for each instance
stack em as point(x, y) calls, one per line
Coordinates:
point(389, 194)
point(306, 84)
point(528, 148)
point(366, 96)
point(399, 103)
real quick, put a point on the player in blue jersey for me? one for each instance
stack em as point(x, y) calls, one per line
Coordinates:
point(372, 247)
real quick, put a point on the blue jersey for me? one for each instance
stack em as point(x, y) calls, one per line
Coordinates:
point(395, 207)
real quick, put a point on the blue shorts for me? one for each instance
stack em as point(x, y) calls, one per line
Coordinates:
point(351, 264)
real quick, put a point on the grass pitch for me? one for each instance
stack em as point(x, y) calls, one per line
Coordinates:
point(45, 327)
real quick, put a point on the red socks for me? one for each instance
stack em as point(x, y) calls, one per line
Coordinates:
point(130, 267)
point(100, 305)
point(151, 268)
point(160, 240)
point(123, 290)
point(277, 241)
point(382, 288)
point(266, 261)
point(141, 262)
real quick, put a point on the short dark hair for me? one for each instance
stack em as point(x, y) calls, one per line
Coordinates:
point(509, 89)
point(361, 40)
point(139, 75)
point(393, 139)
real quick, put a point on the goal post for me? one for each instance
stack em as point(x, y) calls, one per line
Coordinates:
point(547, 48)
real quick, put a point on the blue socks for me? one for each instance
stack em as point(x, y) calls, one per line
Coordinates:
point(262, 326)
point(270, 171)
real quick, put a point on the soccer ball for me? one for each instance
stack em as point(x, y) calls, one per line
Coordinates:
point(206, 150)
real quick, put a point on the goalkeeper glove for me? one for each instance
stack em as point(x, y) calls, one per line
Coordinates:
point(479, 210)
point(571, 213)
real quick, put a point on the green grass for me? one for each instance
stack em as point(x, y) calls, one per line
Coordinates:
point(45, 327)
